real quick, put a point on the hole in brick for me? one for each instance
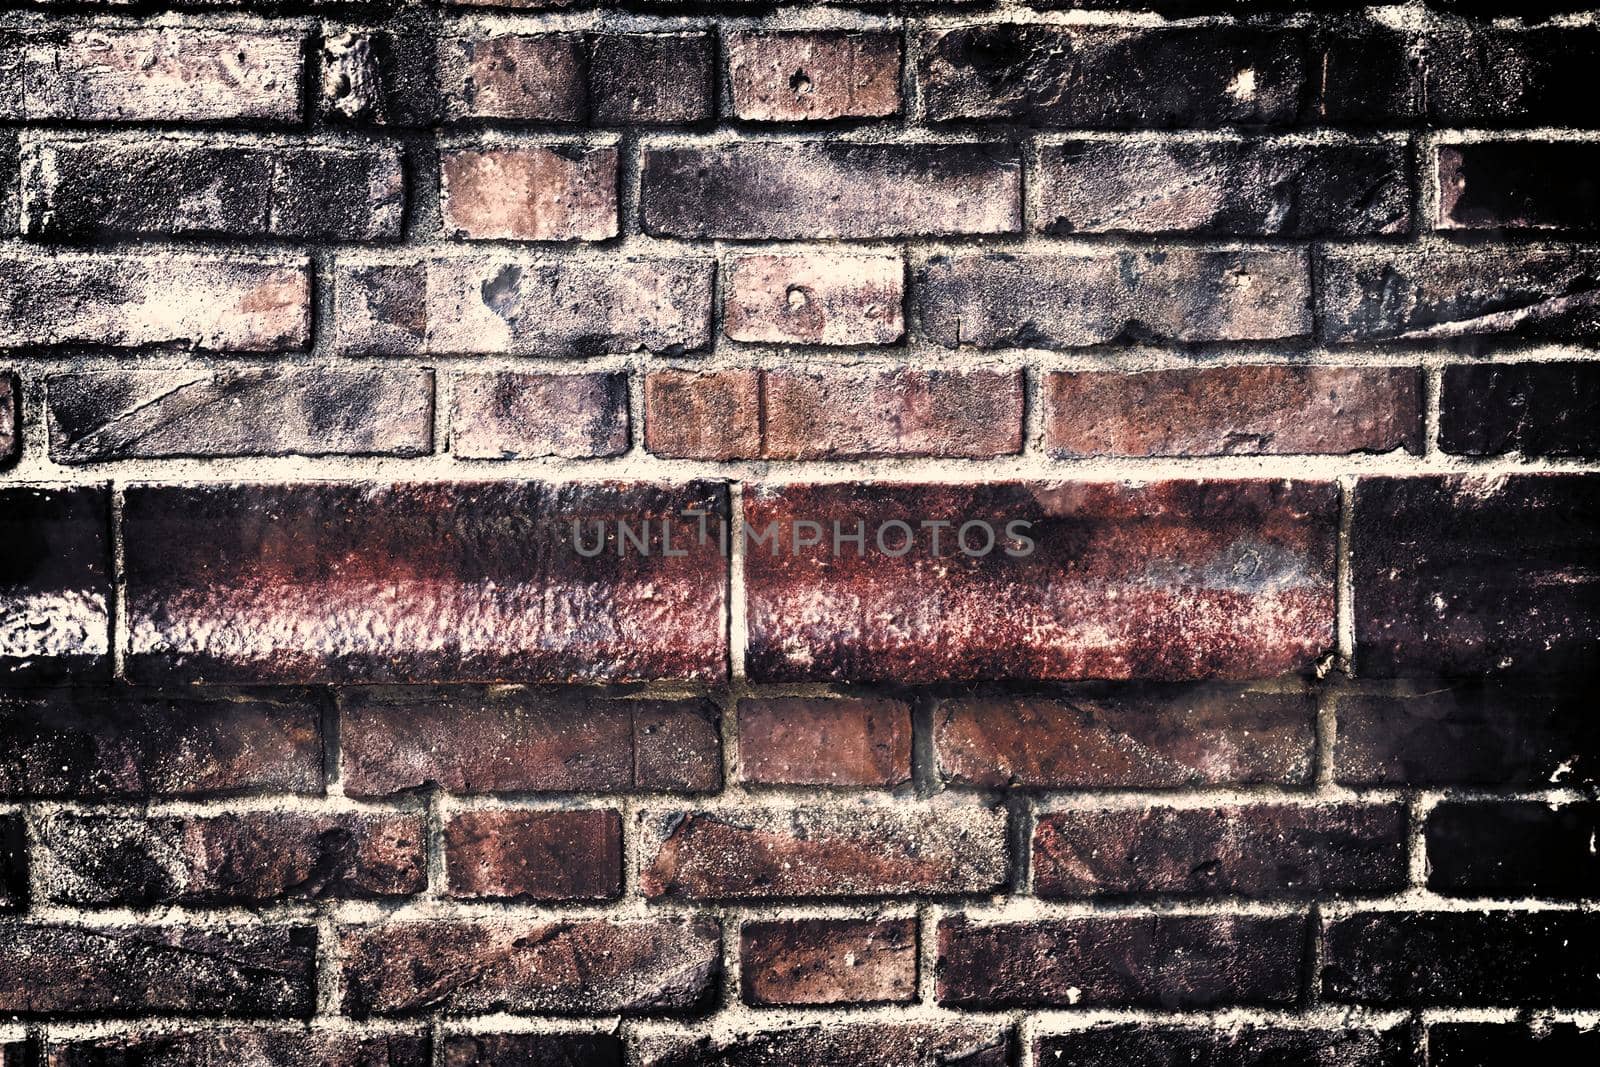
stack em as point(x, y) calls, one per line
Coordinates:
point(799, 82)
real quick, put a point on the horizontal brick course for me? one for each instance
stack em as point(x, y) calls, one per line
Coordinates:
point(1113, 1045)
point(244, 1046)
point(957, 1044)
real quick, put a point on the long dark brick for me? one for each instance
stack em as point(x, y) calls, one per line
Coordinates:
point(1157, 961)
point(418, 582)
point(1463, 959)
point(13, 864)
point(1536, 409)
point(55, 585)
point(1496, 185)
point(1250, 1045)
point(241, 1047)
point(1463, 575)
point(1168, 580)
point(1513, 848)
point(945, 1044)
point(533, 1050)
point(1495, 1044)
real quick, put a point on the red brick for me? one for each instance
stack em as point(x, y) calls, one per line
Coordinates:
point(167, 74)
point(790, 190)
point(581, 967)
point(1148, 961)
point(1063, 301)
point(89, 743)
point(55, 584)
point(815, 851)
point(420, 581)
point(250, 858)
point(1165, 580)
point(1140, 739)
point(861, 1044)
point(520, 305)
point(1259, 850)
point(305, 411)
point(821, 298)
point(10, 410)
point(530, 192)
point(813, 75)
point(539, 1049)
point(258, 1047)
point(1250, 410)
point(507, 415)
point(829, 961)
point(535, 77)
point(469, 741)
point(536, 855)
point(703, 415)
point(650, 78)
point(244, 970)
point(228, 303)
point(801, 741)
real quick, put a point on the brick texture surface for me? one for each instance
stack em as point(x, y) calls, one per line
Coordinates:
point(954, 533)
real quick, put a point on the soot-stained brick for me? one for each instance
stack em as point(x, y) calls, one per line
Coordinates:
point(650, 78)
point(241, 1047)
point(10, 418)
point(1166, 580)
point(536, 77)
point(813, 75)
point(543, 1049)
point(946, 1044)
point(55, 585)
point(1536, 409)
point(828, 961)
point(1513, 848)
point(1488, 1044)
point(423, 581)
point(1500, 185)
point(509, 415)
point(1249, 1045)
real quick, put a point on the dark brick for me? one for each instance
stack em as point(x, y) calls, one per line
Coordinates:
point(537, 855)
point(248, 970)
point(1244, 410)
point(582, 967)
point(1483, 75)
point(1535, 409)
point(818, 298)
point(1253, 188)
point(1249, 1045)
point(55, 585)
point(13, 866)
point(249, 858)
point(508, 415)
point(1072, 300)
point(1405, 295)
point(534, 77)
point(519, 305)
point(241, 1048)
point(1468, 734)
point(1100, 77)
point(650, 78)
point(103, 187)
point(876, 1044)
point(789, 190)
point(1495, 185)
point(400, 75)
point(529, 192)
point(532, 1050)
point(419, 581)
point(805, 741)
point(1259, 850)
point(828, 961)
point(812, 75)
point(1155, 961)
point(1368, 73)
point(1146, 737)
point(10, 419)
point(1513, 848)
point(878, 850)
point(1464, 575)
point(1496, 1044)
point(469, 741)
point(1165, 580)
point(1446, 958)
point(291, 411)
point(123, 299)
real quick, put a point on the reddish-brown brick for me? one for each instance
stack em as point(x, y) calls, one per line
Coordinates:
point(537, 855)
point(469, 741)
point(1163, 580)
point(229, 303)
point(86, 743)
point(519, 305)
point(874, 1044)
point(1137, 737)
point(535, 77)
point(55, 584)
point(1104, 961)
point(250, 858)
point(822, 298)
point(1037, 300)
point(244, 1047)
point(421, 581)
point(703, 415)
point(813, 75)
point(650, 78)
point(860, 850)
point(304, 411)
point(1259, 850)
point(508, 415)
point(828, 961)
point(804, 741)
point(1248, 410)
point(163, 74)
point(244, 970)
point(539, 1049)
point(582, 967)
point(789, 190)
point(557, 192)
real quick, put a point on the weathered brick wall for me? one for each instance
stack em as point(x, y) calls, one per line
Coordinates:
point(321, 743)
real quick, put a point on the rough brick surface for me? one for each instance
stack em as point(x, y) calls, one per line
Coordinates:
point(1536, 409)
point(1246, 1046)
point(811, 76)
point(533, 1050)
point(651, 78)
point(857, 1045)
point(10, 408)
point(536, 77)
point(530, 192)
point(822, 298)
point(799, 741)
point(828, 961)
point(1482, 1044)
point(246, 1047)
point(55, 584)
point(539, 855)
point(507, 415)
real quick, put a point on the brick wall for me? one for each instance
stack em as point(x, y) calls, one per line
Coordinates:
point(1275, 324)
